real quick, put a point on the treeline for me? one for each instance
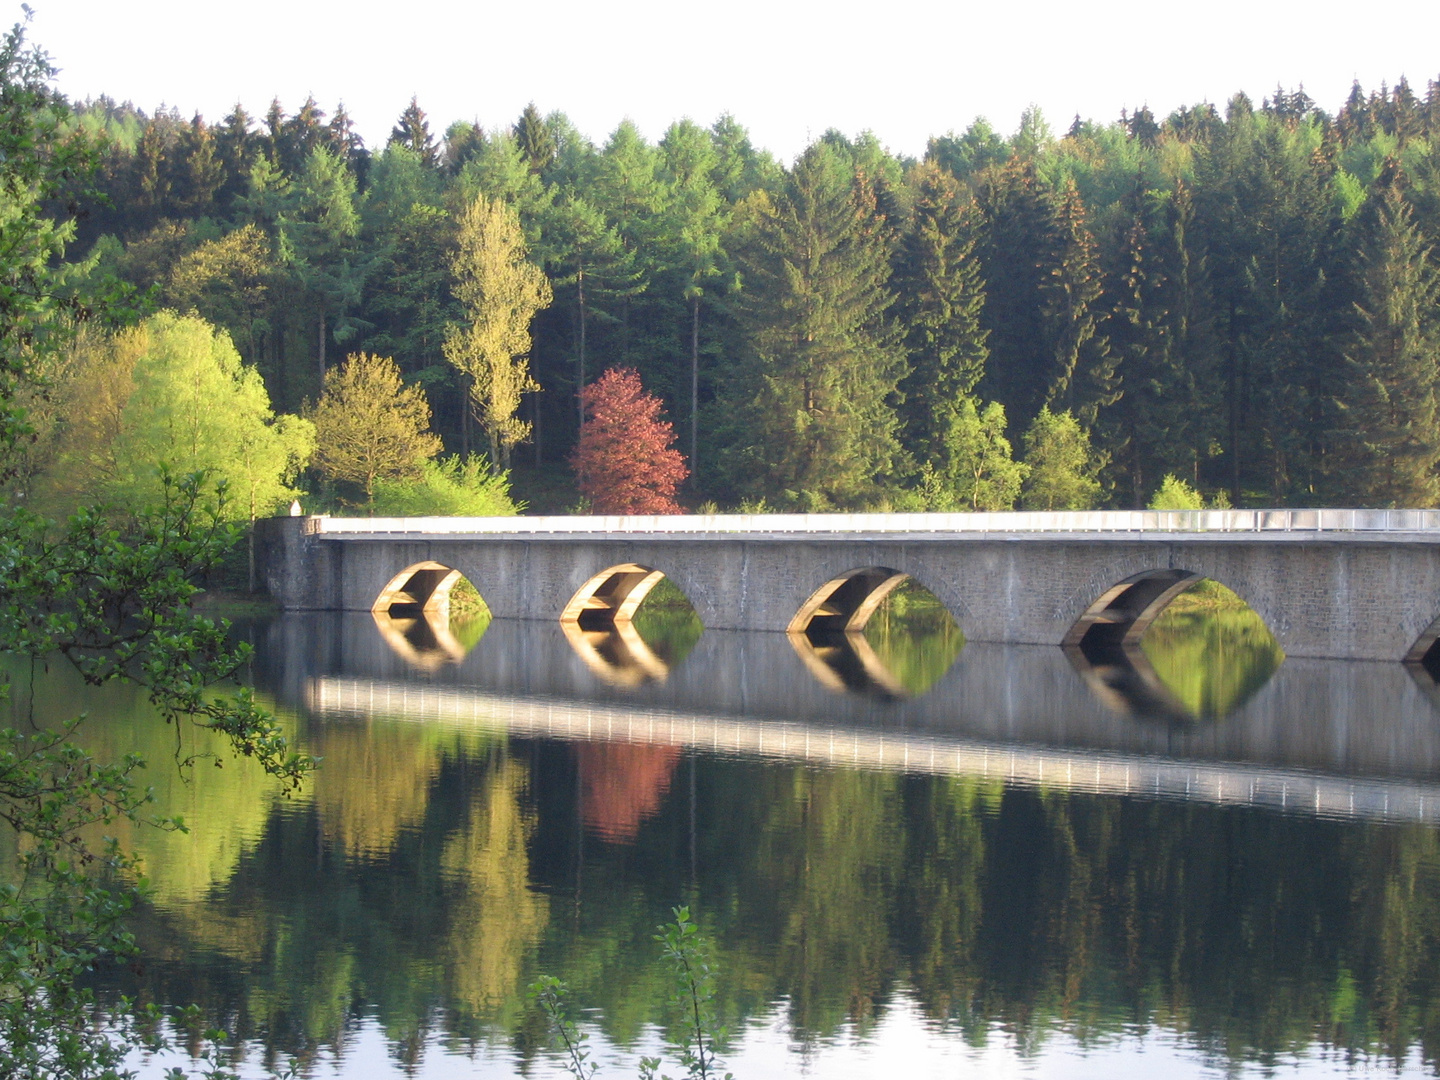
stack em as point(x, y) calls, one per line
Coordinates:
point(1244, 298)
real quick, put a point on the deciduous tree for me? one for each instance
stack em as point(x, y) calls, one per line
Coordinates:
point(369, 425)
point(625, 461)
point(980, 472)
point(1062, 464)
point(501, 290)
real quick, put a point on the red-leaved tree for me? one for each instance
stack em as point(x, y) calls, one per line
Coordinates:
point(625, 461)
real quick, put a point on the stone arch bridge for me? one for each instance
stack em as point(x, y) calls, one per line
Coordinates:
point(1348, 584)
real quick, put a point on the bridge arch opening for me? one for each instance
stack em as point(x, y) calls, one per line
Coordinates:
point(631, 624)
point(1173, 645)
point(1425, 653)
point(876, 631)
point(430, 614)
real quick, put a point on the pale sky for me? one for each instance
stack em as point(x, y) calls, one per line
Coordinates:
point(786, 69)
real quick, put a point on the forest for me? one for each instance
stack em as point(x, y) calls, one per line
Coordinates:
point(1244, 301)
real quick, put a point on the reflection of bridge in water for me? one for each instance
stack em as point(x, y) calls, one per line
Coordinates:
point(1321, 736)
point(835, 746)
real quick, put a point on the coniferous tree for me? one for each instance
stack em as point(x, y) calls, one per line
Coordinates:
point(235, 145)
point(322, 240)
point(536, 142)
point(152, 174)
point(1141, 423)
point(1081, 375)
point(1390, 415)
point(412, 131)
point(303, 132)
point(941, 297)
point(696, 218)
point(343, 139)
point(810, 420)
point(464, 142)
point(1017, 212)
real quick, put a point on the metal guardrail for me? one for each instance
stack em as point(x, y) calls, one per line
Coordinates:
point(1067, 521)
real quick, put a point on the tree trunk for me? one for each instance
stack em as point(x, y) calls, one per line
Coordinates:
point(580, 385)
point(464, 381)
point(694, 388)
point(322, 349)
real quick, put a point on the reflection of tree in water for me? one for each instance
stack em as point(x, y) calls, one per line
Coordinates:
point(830, 890)
point(376, 782)
point(622, 784)
point(496, 919)
point(668, 622)
point(914, 637)
point(1212, 650)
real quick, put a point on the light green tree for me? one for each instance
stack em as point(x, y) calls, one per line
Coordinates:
point(1061, 462)
point(501, 291)
point(448, 487)
point(980, 471)
point(1175, 494)
point(370, 426)
point(171, 391)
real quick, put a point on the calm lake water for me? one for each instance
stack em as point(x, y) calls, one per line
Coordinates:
point(914, 857)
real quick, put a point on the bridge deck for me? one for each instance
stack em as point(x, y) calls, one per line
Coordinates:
point(1087, 522)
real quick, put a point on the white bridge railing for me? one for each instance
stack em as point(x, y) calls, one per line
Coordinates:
point(1062, 521)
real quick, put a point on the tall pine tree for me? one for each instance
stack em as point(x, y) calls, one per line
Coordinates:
point(937, 278)
point(1389, 415)
point(809, 419)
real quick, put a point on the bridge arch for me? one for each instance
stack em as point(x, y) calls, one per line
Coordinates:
point(1426, 650)
point(421, 588)
point(1122, 613)
point(611, 597)
point(846, 602)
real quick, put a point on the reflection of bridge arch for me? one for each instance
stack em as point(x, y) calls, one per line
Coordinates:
point(423, 641)
point(1126, 682)
point(1426, 650)
point(422, 587)
point(846, 663)
point(616, 653)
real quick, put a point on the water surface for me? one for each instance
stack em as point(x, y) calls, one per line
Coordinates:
point(911, 857)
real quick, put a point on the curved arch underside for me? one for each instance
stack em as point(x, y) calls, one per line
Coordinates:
point(845, 603)
point(422, 587)
point(1122, 614)
point(611, 597)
